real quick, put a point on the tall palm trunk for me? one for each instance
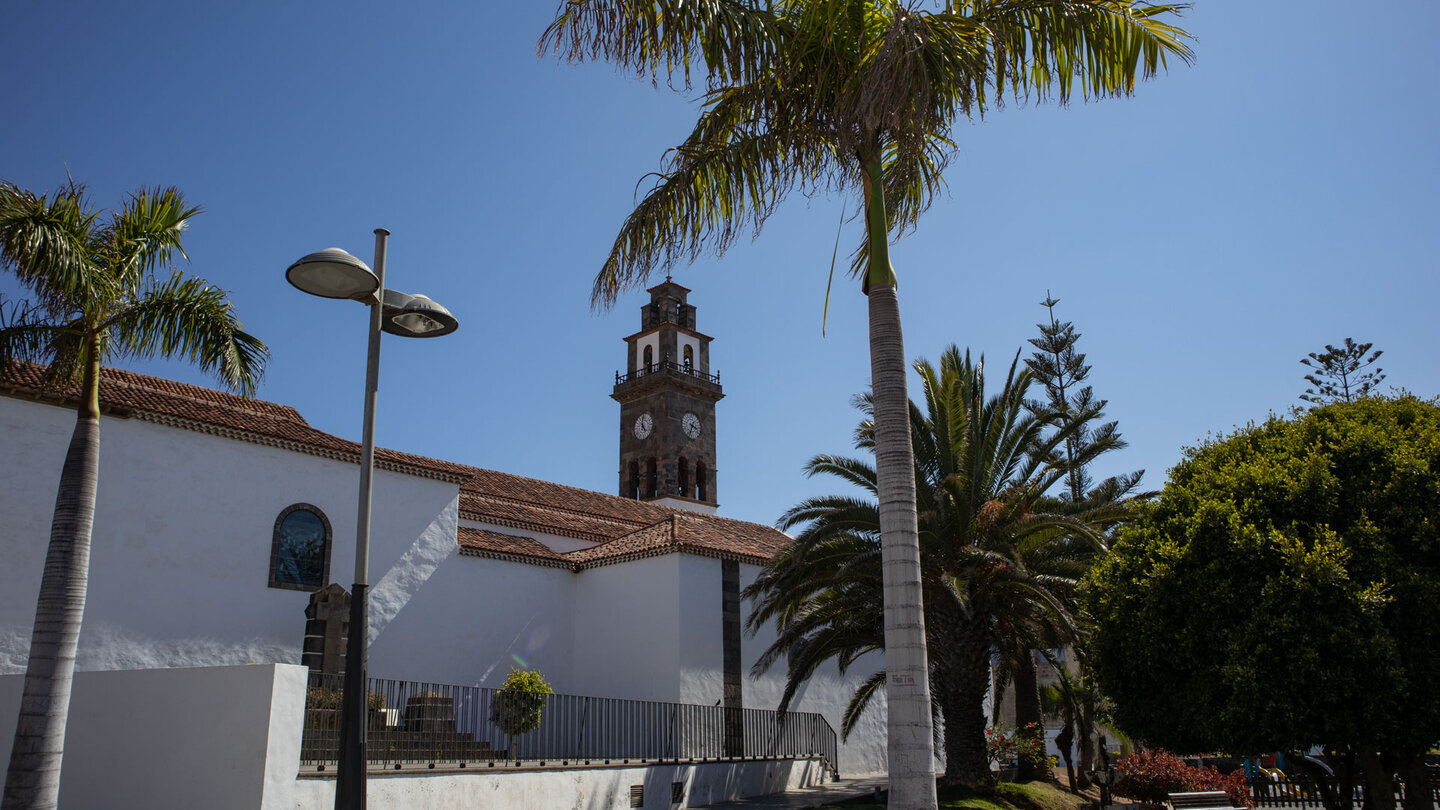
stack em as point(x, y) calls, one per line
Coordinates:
point(910, 739)
point(962, 678)
point(32, 781)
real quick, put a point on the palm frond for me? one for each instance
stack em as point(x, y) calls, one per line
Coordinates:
point(186, 317)
point(731, 41)
point(48, 242)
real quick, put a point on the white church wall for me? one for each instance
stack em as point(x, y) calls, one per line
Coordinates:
point(700, 601)
point(181, 545)
point(627, 630)
point(176, 738)
point(477, 618)
point(827, 693)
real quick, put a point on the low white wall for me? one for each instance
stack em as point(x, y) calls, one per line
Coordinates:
point(228, 738)
point(174, 738)
point(587, 788)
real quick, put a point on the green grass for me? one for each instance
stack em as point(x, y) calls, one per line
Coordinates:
point(1008, 796)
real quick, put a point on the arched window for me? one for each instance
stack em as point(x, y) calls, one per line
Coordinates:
point(632, 483)
point(701, 484)
point(684, 478)
point(649, 359)
point(689, 358)
point(300, 549)
point(652, 479)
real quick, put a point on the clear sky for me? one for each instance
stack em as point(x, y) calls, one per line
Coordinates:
point(1203, 235)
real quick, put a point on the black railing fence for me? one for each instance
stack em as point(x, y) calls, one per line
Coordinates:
point(666, 365)
point(1302, 791)
point(420, 724)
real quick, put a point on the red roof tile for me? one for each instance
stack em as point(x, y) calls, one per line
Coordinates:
point(624, 528)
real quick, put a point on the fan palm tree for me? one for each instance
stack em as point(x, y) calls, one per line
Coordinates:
point(982, 467)
point(857, 96)
point(97, 296)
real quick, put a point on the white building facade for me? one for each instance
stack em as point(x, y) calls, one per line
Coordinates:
point(212, 509)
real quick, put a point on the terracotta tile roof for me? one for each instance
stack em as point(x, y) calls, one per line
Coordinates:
point(485, 543)
point(205, 410)
point(705, 535)
point(625, 529)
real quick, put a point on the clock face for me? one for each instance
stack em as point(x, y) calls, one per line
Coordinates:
point(643, 426)
point(691, 424)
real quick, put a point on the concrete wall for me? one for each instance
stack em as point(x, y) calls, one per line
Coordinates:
point(186, 520)
point(580, 788)
point(175, 738)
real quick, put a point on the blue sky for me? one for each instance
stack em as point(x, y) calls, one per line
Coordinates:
point(1203, 235)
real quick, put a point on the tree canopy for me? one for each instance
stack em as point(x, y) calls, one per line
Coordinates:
point(1282, 591)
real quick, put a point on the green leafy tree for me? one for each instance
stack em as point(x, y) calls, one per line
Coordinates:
point(1342, 373)
point(993, 561)
point(861, 97)
point(99, 294)
point(1281, 593)
point(519, 703)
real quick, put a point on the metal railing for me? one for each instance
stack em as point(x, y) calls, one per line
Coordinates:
point(666, 365)
point(1302, 791)
point(426, 724)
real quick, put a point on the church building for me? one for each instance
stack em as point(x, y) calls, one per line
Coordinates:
point(219, 517)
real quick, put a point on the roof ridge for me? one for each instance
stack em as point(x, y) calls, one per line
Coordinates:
point(638, 524)
point(133, 379)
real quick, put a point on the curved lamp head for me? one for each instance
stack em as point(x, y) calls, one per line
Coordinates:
point(333, 273)
point(415, 316)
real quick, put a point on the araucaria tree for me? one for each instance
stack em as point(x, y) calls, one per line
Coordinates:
point(1342, 373)
point(98, 294)
point(994, 561)
point(1282, 593)
point(1062, 371)
point(862, 97)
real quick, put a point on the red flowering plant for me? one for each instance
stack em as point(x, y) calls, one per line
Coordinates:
point(1026, 744)
point(1151, 776)
point(1235, 785)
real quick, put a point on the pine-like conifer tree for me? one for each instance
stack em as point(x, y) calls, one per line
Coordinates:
point(1340, 373)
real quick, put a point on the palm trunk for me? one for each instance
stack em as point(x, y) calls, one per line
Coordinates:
point(910, 739)
point(1379, 787)
point(1027, 711)
point(32, 781)
point(962, 676)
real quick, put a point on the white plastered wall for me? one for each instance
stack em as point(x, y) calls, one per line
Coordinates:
point(181, 545)
point(479, 617)
point(827, 692)
point(627, 630)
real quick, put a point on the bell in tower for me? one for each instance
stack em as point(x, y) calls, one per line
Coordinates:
point(667, 397)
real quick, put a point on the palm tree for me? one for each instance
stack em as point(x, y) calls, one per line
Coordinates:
point(982, 467)
point(857, 96)
point(97, 297)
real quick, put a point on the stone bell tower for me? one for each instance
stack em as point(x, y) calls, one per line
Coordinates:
point(667, 399)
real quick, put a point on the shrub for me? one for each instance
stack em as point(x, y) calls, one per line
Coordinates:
point(519, 701)
point(1235, 785)
point(318, 697)
point(1151, 776)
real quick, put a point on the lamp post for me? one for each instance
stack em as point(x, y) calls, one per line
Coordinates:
point(333, 273)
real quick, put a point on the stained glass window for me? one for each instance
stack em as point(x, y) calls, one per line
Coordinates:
point(300, 551)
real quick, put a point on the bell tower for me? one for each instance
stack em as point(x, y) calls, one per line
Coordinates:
point(667, 399)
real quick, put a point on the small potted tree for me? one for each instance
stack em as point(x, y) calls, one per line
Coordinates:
point(518, 705)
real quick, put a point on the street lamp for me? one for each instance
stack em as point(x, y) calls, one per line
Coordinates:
point(333, 273)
